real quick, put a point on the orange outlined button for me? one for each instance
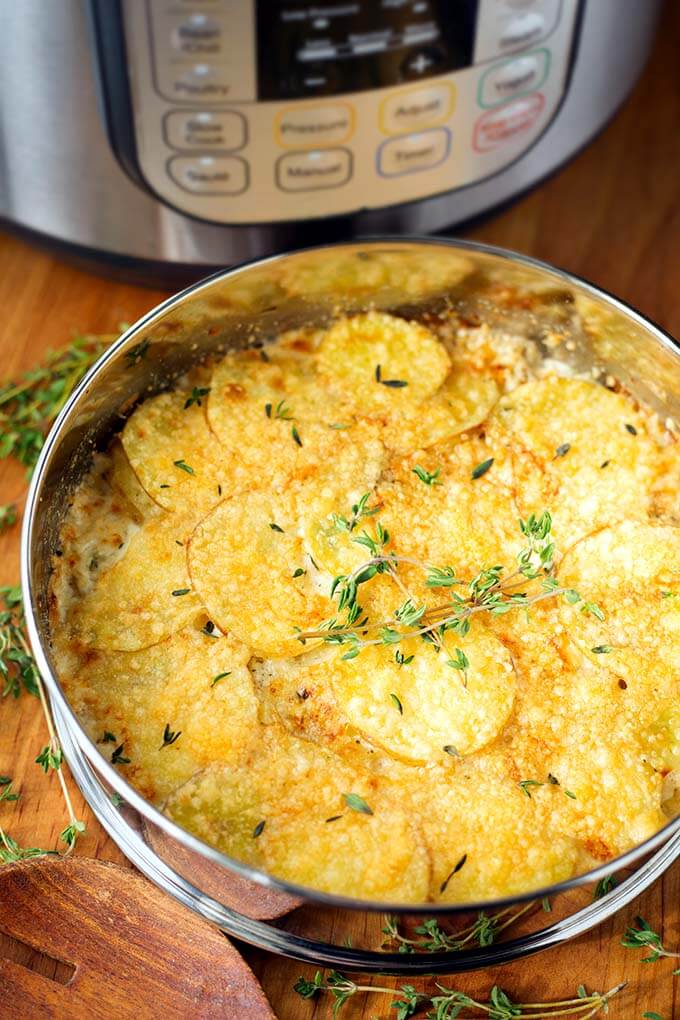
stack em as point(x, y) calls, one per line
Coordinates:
point(418, 108)
point(297, 127)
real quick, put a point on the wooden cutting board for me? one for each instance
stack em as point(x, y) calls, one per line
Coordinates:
point(89, 939)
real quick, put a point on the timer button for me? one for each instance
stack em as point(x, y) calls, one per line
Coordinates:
point(513, 78)
point(413, 109)
point(414, 153)
point(209, 175)
point(204, 129)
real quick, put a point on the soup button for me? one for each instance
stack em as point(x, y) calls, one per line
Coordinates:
point(414, 153)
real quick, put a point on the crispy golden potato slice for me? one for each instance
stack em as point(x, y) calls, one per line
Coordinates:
point(414, 710)
point(459, 808)
point(457, 520)
point(132, 605)
point(134, 695)
point(284, 809)
point(632, 572)
point(380, 362)
point(175, 456)
point(243, 558)
point(124, 480)
point(411, 274)
point(461, 403)
point(593, 446)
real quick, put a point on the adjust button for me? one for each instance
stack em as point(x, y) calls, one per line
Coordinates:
point(414, 153)
point(300, 126)
point(513, 78)
point(413, 109)
point(313, 170)
point(209, 175)
point(204, 129)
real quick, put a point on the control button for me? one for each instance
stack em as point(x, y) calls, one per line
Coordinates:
point(314, 169)
point(523, 30)
point(514, 77)
point(413, 109)
point(209, 175)
point(204, 129)
point(413, 153)
point(199, 81)
point(299, 126)
point(424, 62)
point(197, 35)
point(503, 125)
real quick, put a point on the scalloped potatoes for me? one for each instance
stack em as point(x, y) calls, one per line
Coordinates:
point(296, 606)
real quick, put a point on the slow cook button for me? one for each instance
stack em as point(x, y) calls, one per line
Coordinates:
point(414, 153)
point(204, 129)
point(210, 175)
point(310, 171)
point(414, 109)
point(515, 77)
point(501, 126)
point(314, 125)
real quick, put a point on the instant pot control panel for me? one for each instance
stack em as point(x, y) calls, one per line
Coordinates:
point(243, 112)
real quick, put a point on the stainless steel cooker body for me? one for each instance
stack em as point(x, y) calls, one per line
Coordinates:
point(246, 306)
point(417, 156)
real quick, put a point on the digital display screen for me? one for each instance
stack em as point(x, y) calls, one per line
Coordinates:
point(327, 49)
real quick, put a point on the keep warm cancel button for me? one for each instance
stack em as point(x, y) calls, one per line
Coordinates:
point(315, 169)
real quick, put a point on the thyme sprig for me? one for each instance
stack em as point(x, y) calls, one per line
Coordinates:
point(8, 516)
point(19, 672)
point(431, 938)
point(17, 668)
point(29, 405)
point(490, 591)
point(450, 1004)
point(641, 936)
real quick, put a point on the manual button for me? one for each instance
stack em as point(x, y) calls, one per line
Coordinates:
point(414, 153)
point(413, 109)
point(209, 175)
point(297, 127)
point(313, 170)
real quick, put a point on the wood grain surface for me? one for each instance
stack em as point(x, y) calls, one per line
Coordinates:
point(613, 216)
point(157, 954)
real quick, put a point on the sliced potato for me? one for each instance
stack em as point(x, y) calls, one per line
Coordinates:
point(283, 809)
point(132, 605)
point(133, 695)
point(593, 446)
point(460, 808)
point(381, 362)
point(414, 710)
point(632, 572)
point(461, 403)
point(124, 480)
point(456, 520)
point(410, 273)
point(174, 455)
point(243, 570)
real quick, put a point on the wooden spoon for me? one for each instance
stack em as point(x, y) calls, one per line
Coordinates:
point(119, 947)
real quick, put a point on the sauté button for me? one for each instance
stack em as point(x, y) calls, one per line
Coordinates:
point(314, 169)
point(210, 175)
point(413, 109)
point(414, 153)
point(299, 126)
